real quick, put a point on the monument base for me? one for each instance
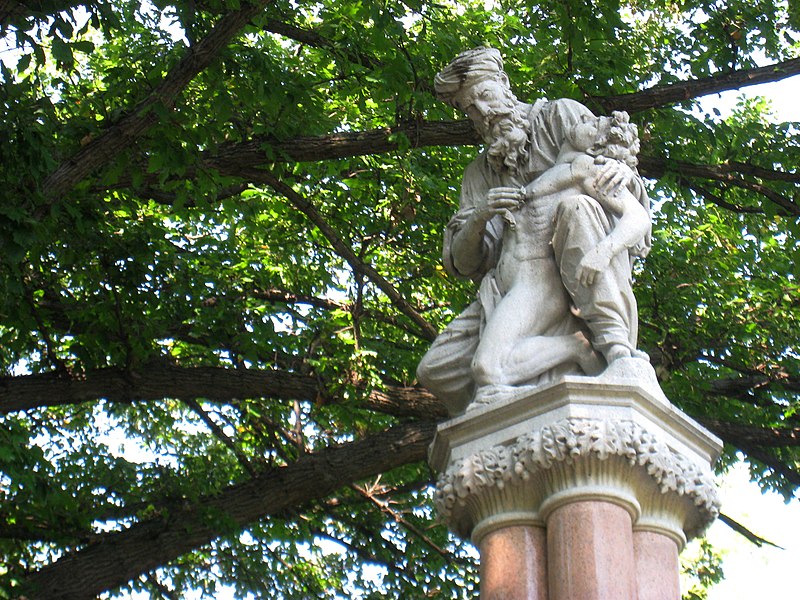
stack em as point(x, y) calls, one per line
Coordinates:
point(585, 488)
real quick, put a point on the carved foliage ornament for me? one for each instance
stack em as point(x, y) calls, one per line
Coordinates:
point(565, 442)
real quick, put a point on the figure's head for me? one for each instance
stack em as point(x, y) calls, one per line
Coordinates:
point(475, 82)
point(613, 137)
point(467, 69)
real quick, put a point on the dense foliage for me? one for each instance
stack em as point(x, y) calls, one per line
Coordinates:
point(220, 236)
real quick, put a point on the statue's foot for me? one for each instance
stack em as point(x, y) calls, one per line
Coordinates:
point(589, 359)
point(617, 351)
point(634, 370)
point(489, 394)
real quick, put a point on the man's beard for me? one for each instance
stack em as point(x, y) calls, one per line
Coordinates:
point(507, 141)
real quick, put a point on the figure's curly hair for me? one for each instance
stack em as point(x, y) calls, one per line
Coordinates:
point(618, 138)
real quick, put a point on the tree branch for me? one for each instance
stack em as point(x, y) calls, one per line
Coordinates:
point(160, 379)
point(310, 37)
point(63, 319)
point(232, 158)
point(306, 37)
point(11, 10)
point(122, 134)
point(240, 159)
point(152, 579)
point(220, 434)
point(661, 95)
point(791, 475)
point(736, 386)
point(656, 167)
point(779, 467)
point(721, 202)
point(385, 508)
point(147, 545)
point(751, 435)
point(274, 295)
point(343, 250)
point(745, 532)
point(758, 390)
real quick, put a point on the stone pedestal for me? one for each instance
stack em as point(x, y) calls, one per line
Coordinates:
point(591, 484)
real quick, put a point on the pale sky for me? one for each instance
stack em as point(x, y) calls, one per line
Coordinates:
point(752, 572)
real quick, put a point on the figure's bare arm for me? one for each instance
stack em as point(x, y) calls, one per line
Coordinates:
point(557, 178)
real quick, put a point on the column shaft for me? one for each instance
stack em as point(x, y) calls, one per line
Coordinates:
point(657, 567)
point(590, 552)
point(513, 564)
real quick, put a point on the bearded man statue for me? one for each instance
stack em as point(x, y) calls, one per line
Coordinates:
point(529, 229)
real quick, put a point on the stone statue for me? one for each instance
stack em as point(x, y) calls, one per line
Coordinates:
point(551, 214)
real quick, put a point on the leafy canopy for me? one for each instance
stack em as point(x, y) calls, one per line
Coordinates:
point(220, 237)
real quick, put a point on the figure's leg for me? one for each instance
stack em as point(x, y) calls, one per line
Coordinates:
point(608, 306)
point(537, 355)
point(446, 367)
point(512, 349)
point(543, 353)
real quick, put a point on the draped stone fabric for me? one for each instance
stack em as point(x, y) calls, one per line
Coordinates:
point(467, 68)
point(605, 312)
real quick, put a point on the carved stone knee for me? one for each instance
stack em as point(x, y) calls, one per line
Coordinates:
point(486, 369)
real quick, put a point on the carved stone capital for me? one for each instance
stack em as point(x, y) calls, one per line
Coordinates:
point(515, 462)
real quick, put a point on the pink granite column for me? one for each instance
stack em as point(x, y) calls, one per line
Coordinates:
point(513, 564)
point(657, 567)
point(590, 552)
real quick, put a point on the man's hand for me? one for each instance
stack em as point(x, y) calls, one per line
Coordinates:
point(594, 263)
point(500, 201)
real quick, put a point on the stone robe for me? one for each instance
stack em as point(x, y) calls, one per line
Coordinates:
point(605, 311)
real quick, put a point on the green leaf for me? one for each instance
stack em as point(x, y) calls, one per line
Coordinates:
point(84, 46)
point(23, 63)
point(62, 53)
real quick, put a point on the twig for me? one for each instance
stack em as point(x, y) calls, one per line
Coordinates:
point(220, 434)
point(744, 531)
point(401, 520)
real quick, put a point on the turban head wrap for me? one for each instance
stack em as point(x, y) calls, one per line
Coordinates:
point(468, 67)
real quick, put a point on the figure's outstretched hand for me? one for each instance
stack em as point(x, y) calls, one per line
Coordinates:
point(611, 177)
point(593, 264)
